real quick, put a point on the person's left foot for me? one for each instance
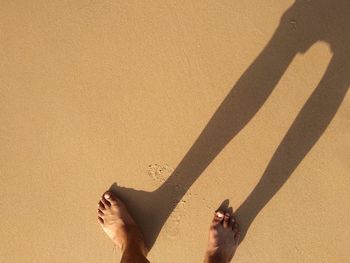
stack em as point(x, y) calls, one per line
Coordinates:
point(223, 238)
point(117, 223)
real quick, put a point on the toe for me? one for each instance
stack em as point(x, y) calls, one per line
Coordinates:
point(101, 206)
point(110, 198)
point(100, 213)
point(227, 220)
point(105, 202)
point(100, 220)
point(237, 237)
point(233, 221)
point(218, 217)
point(235, 227)
point(236, 232)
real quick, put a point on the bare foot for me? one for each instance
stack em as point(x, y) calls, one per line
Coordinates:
point(223, 238)
point(119, 226)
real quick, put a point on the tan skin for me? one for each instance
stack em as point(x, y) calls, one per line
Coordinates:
point(120, 227)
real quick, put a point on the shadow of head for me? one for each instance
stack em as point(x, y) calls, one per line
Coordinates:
point(310, 21)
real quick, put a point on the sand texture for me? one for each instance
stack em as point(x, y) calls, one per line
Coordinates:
point(178, 106)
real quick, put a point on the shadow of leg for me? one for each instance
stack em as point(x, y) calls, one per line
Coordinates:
point(151, 209)
point(305, 131)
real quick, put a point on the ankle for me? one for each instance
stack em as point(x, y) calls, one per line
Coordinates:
point(134, 254)
point(214, 256)
point(135, 243)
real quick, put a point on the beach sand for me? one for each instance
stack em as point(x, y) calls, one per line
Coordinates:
point(127, 94)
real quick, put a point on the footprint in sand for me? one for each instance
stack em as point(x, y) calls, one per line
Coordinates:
point(160, 173)
point(172, 226)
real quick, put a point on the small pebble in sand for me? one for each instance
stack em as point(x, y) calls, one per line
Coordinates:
point(293, 23)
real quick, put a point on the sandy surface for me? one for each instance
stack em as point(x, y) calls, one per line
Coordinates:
point(94, 93)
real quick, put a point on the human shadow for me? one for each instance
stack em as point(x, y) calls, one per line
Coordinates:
point(301, 26)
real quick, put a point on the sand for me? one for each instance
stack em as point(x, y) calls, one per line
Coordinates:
point(189, 103)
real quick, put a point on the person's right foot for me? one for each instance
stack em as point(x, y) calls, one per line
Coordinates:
point(119, 226)
point(223, 238)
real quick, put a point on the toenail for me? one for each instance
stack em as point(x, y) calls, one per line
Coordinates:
point(107, 196)
point(219, 214)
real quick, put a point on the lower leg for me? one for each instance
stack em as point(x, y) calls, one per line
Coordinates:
point(134, 251)
point(132, 256)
